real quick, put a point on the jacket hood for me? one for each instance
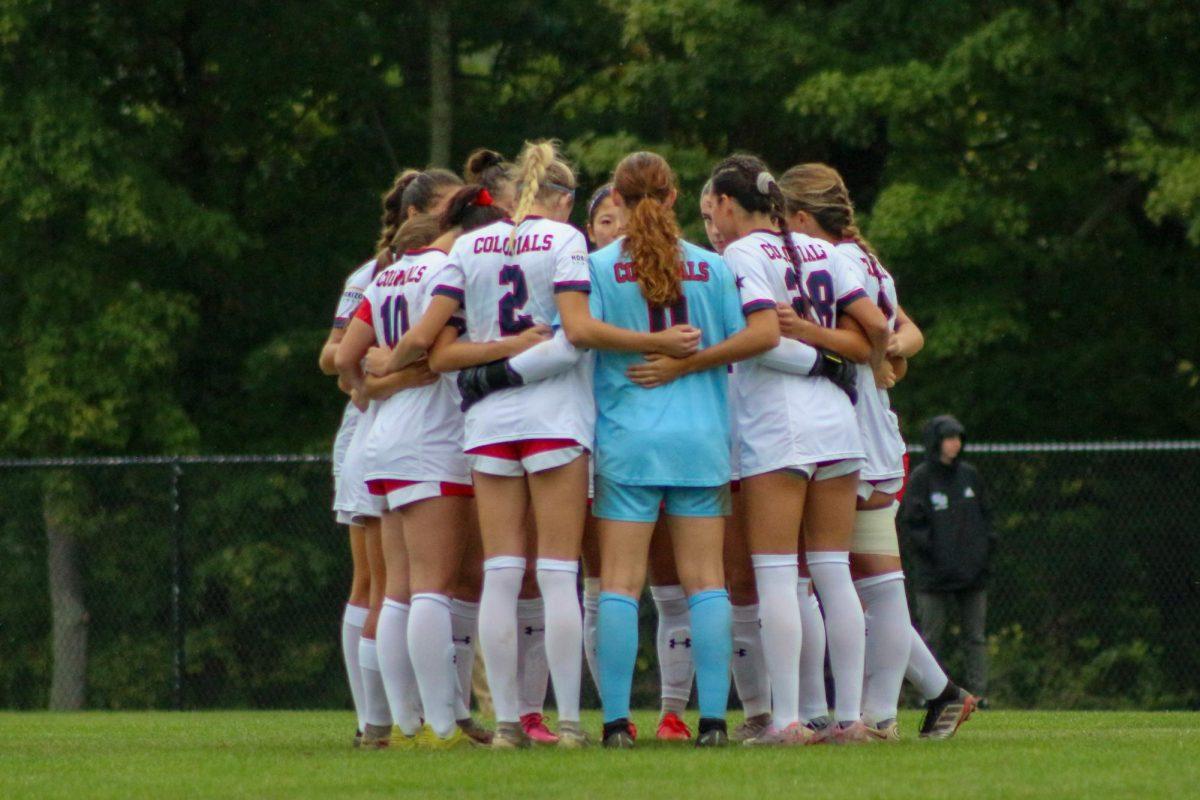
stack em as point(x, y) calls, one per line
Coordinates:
point(937, 429)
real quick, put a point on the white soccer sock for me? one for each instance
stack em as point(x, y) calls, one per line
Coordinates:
point(775, 576)
point(923, 669)
point(431, 646)
point(591, 610)
point(674, 641)
point(813, 701)
point(464, 629)
point(889, 640)
point(399, 680)
point(845, 629)
point(533, 670)
point(502, 577)
point(546, 359)
point(375, 702)
point(352, 625)
point(749, 669)
point(564, 632)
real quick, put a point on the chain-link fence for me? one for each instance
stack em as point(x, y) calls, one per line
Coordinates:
point(206, 582)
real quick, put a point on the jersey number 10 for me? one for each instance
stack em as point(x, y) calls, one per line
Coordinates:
point(394, 316)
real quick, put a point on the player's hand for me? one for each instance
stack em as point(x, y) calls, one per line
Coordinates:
point(794, 326)
point(678, 341)
point(376, 361)
point(358, 396)
point(344, 385)
point(418, 374)
point(899, 366)
point(893, 345)
point(529, 337)
point(885, 375)
point(656, 370)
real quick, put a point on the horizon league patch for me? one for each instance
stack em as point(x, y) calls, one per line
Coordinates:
point(940, 501)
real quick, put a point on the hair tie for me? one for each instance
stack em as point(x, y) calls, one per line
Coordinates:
point(764, 181)
point(484, 198)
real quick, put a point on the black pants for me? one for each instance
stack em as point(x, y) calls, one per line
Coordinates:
point(933, 610)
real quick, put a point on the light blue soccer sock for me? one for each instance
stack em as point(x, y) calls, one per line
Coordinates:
point(616, 652)
point(712, 649)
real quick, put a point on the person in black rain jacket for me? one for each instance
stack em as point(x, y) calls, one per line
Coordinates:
point(947, 535)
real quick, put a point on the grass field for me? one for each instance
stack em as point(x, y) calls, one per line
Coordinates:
point(307, 754)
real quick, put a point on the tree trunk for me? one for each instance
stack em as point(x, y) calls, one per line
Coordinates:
point(441, 84)
point(68, 612)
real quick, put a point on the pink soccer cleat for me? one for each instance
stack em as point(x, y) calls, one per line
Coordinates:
point(534, 725)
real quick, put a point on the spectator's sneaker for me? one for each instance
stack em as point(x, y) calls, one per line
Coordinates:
point(509, 736)
point(822, 730)
point(672, 729)
point(841, 371)
point(713, 733)
point(534, 725)
point(886, 731)
point(854, 733)
point(455, 741)
point(617, 735)
point(947, 712)
point(477, 733)
point(794, 734)
point(571, 736)
point(752, 727)
point(376, 737)
point(476, 383)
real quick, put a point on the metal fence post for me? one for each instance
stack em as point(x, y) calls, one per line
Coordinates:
point(177, 570)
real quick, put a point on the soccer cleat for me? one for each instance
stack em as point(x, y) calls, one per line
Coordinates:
point(376, 737)
point(617, 735)
point(509, 736)
point(534, 725)
point(822, 730)
point(887, 731)
point(841, 371)
point(476, 732)
point(358, 738)
point(476, 383)
point(713, 733)
point(854, 733)
point(946, 713)
point(632, 731)
point(751, 727)
point(571, 736)
point(456, 740)
point(794, 734)
point(672, 729)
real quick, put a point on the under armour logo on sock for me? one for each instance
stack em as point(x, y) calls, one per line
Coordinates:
point(530, 630)
point(741, 652)
point(464, 640)
point(684, 643)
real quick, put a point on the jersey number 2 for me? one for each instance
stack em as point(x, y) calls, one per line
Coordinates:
point(512, 323)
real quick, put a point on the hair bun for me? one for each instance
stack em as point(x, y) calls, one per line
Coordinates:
point(480, 160)
point(764, 181)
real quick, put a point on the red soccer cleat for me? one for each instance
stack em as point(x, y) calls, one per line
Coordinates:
point(534, 725)
point(672, 729)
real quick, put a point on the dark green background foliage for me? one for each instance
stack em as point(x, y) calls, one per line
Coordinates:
point(184, 186)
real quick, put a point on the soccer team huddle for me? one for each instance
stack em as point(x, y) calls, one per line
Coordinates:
point(718, 419)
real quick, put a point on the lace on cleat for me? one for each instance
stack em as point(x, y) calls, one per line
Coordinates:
point(822, 730)
point(853, 733)
point(477, 733)
point(509, 736)
point(571, 736)
point(946, 713)
point(887, 731)
point(376, 737)
point(617, 735)
point(534, 725)
point(791, 736)
point(751, 727)
point(672, 729)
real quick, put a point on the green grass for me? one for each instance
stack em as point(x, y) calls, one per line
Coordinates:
point(308, 754)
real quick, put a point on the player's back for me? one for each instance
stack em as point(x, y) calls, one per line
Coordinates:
point(677, 434)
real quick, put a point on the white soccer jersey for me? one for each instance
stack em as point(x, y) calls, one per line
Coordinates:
point(784, 420)
point(505, 290)
point(876, 420)
point(352, 295)
point(418, 432)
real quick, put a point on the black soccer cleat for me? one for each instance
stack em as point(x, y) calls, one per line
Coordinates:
point(843, 372)
point(617, 735)
point(945, 713)
point(713, 733)
point(476, 383)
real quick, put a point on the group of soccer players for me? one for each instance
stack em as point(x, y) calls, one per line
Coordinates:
point(718, 418)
